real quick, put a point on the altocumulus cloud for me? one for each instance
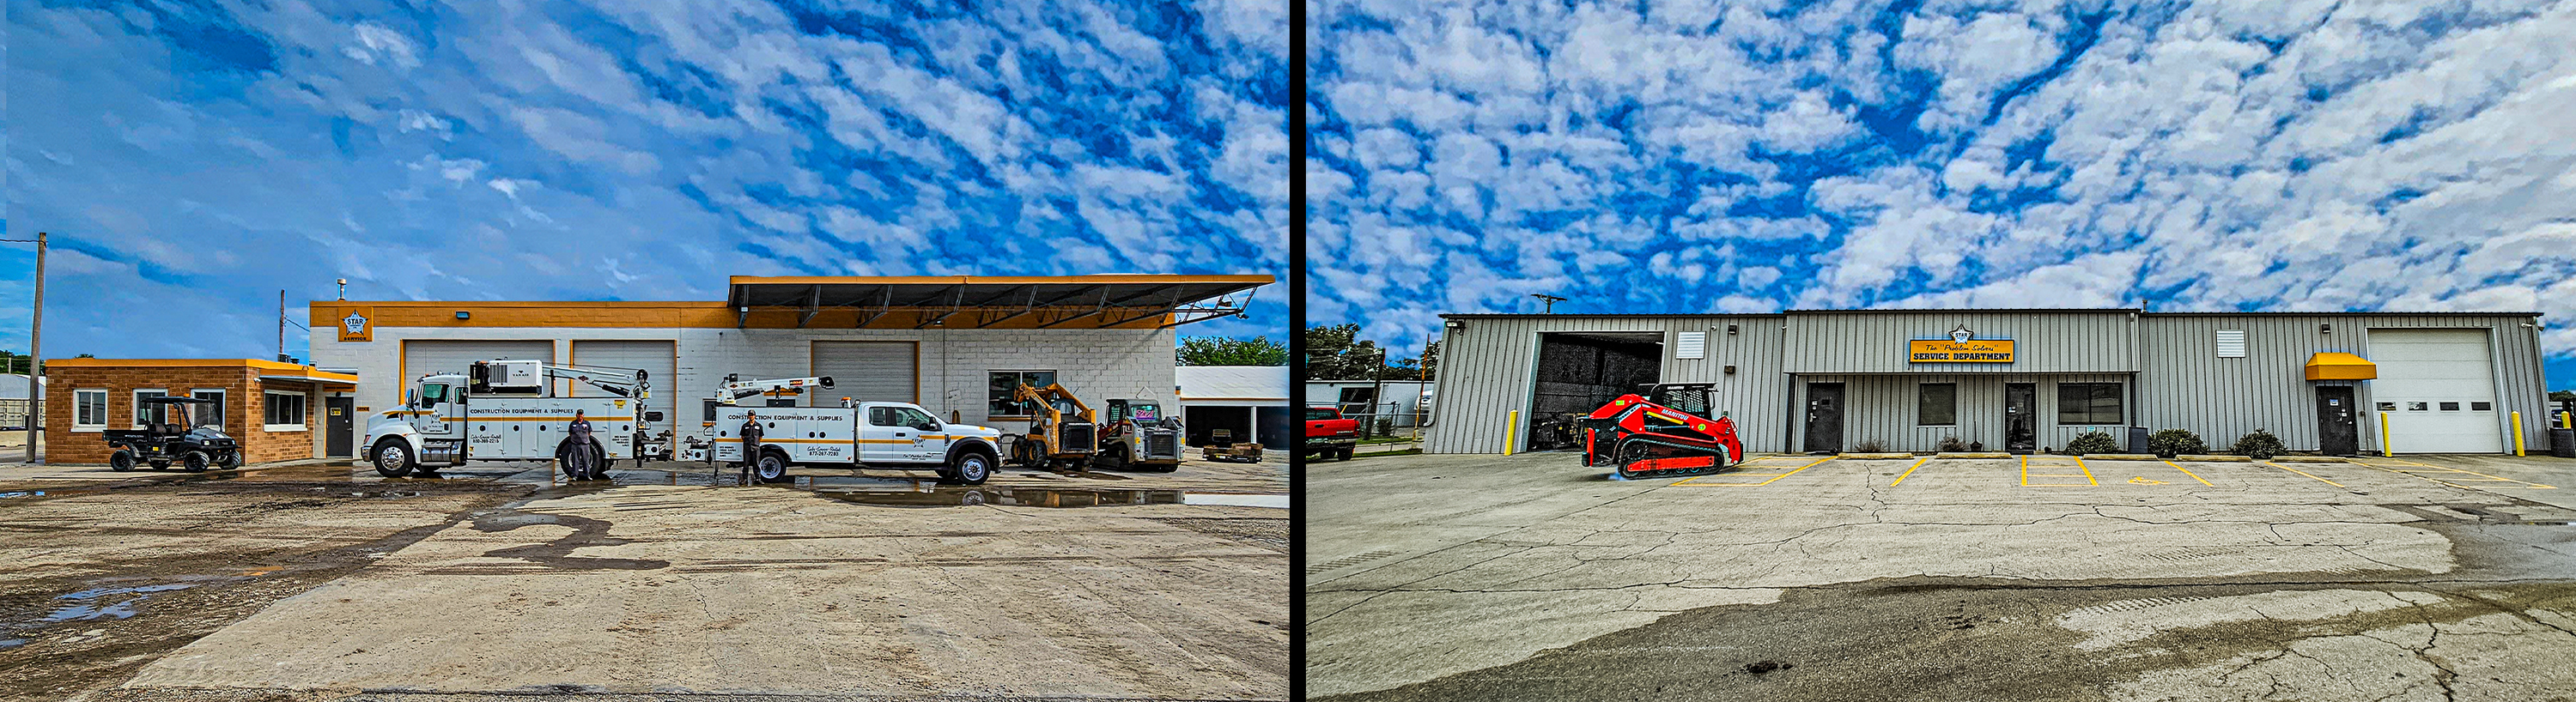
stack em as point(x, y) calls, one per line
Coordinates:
point(1755, 156)
point(192, 158)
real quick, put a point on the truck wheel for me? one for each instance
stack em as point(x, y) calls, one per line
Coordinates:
point(195, 461)
point(393, 459)
point(121, 461)
point(970, 468)
point(771, 469)
point(1347, 451)
point(228, 460)
point(1115, 458)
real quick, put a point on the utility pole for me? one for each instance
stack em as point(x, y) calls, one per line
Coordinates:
point(36, 357)
point(1551, 301)
point(281, 326)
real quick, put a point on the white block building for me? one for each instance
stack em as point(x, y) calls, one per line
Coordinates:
point(955, 345)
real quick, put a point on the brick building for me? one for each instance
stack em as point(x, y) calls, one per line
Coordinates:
point(279, 411)
point(955, 345)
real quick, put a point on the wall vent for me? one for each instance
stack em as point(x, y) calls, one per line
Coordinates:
point(2231, 343)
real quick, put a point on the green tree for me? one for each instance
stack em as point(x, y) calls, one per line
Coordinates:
point(13, 362)
point(1336, 352)
point(2562, 395)
point(1230, 351)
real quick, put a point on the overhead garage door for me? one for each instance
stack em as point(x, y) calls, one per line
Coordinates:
point(877, 371)
point(659, 359)
point(2438, 389)
point(422, 357)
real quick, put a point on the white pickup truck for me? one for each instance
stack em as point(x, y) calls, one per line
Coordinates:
point(897, 435)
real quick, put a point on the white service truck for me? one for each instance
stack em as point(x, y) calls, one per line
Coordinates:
point(898, 435)
point(505, 410)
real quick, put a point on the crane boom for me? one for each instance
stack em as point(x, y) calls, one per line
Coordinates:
point(735, 388)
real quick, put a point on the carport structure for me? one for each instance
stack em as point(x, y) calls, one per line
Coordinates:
point(1101, 301)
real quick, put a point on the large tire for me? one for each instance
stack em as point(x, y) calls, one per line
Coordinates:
point(772, 468)
point(970, 467)
point(121, 461)
point(394, 459)
point(229, 460)
point(196, 461)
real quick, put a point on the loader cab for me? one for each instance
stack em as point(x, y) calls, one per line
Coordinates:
point(1695, 398)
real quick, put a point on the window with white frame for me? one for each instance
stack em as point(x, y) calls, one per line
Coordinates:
point(149, 415)
point(207, 415)
point(89, 410)
point(285, 411)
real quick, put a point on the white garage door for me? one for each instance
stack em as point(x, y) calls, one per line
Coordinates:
point(658, 359)
point(2438, 390)
point(877, 371)
point(423, 357)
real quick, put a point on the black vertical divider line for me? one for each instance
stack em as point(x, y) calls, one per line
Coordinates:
point(1297, 137)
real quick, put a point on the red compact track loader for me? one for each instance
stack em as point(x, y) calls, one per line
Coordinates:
point(1668, 435)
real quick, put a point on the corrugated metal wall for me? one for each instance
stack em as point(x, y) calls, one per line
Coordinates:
point(2187, 385)
point(1486, 372)
point(2179, 380)
point(2043, 342)
point(1883, 407)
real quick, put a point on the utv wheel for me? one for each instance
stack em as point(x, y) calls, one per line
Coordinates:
point(393, 459)
point(121, 461)
point(228, 460)
point(970, 468)
point(195, 462)
point(771, 469)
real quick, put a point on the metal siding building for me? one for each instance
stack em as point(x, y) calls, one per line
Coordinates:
point(2167, 368)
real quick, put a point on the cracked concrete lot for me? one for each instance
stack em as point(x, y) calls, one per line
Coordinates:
point(1533, 577)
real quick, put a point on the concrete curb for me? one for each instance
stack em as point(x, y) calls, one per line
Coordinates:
point(2121, 457)
point(1965, 454)
point(2309, 459)
point(2213, 458)
point(1874, 456)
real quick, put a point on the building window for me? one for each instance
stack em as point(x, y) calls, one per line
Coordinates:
point(2481, 406)
point(2450, 406)
point(2415, 407)
point(997, 395)
point(2088, 403)
point(89, 410)
point(147, 416)
point(2387, 407)
point(207, 415)
point(1936, 404)
point(285, 411)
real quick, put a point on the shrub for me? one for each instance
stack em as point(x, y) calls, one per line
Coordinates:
point(2174, 442)
point(1870, 446)
point(1951, 444)
point(2259, 445)
point(2092, 442)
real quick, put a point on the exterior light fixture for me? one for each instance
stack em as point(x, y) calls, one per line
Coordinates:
point(1455, 324)
point(2325, 328)
point(462, 314)
point(1730, 330)
point(1962, 334)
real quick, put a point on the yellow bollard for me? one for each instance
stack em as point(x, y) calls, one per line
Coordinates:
point(1511, 433)
point(2517, 433)
point(2385, 448)
point(2562, 422)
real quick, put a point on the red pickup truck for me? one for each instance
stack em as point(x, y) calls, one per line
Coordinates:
point(1329, 435)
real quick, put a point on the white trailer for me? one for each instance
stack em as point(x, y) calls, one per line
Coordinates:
point(898, 435)
point(505, 411)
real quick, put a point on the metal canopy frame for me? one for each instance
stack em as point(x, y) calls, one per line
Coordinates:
point(1110, 301)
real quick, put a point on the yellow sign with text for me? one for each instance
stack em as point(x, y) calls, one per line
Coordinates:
point(1972, 351)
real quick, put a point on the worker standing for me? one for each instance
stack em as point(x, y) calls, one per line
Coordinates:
point(750, 443)
point(581, 464)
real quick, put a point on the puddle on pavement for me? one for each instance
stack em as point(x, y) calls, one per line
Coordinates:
point(112, 601)
point(1047, 497)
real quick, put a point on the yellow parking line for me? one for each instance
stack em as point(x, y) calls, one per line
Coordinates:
point(1909, 470)
point(2187, 471)
point(2087, 475)
point(2302, 472)
point(1774, 478)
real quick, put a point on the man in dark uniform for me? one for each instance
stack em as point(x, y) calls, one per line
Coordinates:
point(581, 463)
point(750, 443)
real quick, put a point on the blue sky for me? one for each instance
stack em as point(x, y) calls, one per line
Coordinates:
point(192, 158)
point(1758, 156)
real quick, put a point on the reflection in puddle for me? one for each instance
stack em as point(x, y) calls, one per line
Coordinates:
point(93, 606)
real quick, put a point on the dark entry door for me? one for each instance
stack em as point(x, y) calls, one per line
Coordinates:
point(2021, 417)
point(1825, 417)
point(2336, 432)
point(336, 426)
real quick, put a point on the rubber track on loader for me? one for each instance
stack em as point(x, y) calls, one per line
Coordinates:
point(1717, 460)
